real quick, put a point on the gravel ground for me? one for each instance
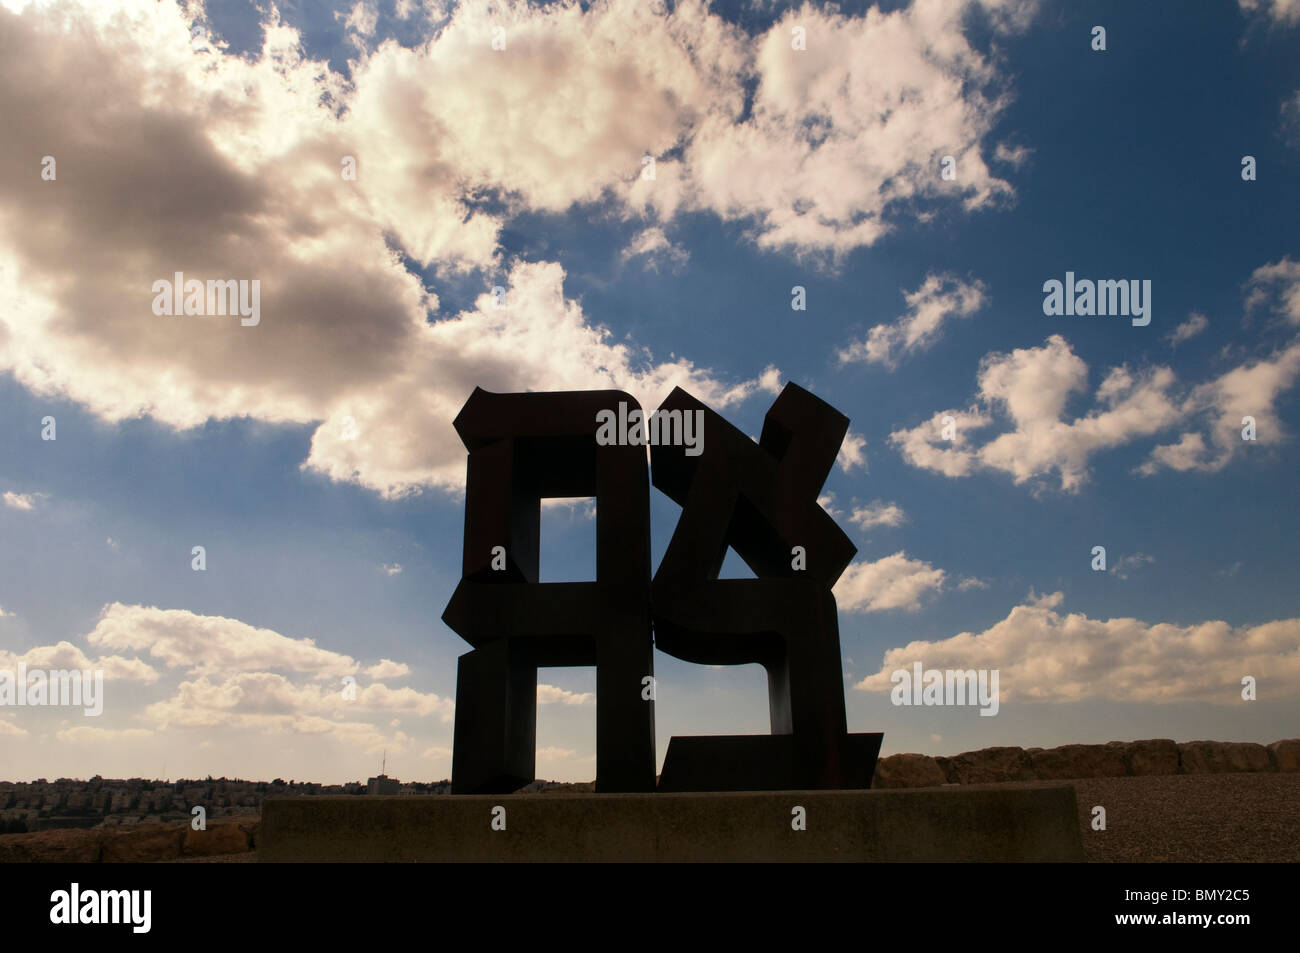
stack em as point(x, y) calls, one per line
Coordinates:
point(1192, 817)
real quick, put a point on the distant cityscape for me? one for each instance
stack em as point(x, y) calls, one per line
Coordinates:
point(26, 807)
point(41, 805)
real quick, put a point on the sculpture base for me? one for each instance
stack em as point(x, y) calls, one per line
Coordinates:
point(1037, 823)
point(764, 763)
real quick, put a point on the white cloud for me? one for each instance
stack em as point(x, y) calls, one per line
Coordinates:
point(853, 452)
point(64, 656)
point(1189, 453)
point(550, 694)
point(345, 327)
point(926, 446)
point(1281, 12)
point(1129, 563)
point(1276, 286)
point(391, 569)
point(209, 644)
point(653, 246)
point(1219, 406)
point(1013, 155)
point(363, 18)
point(893, 582)
point(1029, 388)
point(1045, 656)
point(841, 141)
point(845, 136)
point(939, 298)
point(1194, 325)
point(386, 668)
point(20, 501)
point(878, 513)
point(511, 348)
point(270, 701)
point(1047, 600)
point(233, 688)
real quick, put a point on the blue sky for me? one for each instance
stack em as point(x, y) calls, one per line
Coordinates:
point(520, 167)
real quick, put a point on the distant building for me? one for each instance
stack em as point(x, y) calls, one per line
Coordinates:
point(383, 785)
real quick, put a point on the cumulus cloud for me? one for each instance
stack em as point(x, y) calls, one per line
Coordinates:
point(1129, 563)
point(362, 19)
point(1012, 155)
point(207, 644)
point(238, 679)
point(1194, 325)
point(64, 656)
point(893, 582)
point(19, 501)
point(9, 728)
point(1028, 389)
point(1220, 406)
point(1276, 286)
point(877, 513)
point(943, 444)
point(387, 668)
point(653, 248)
point(1044, 655)
point(269, 700)
point(508, 348)
point(1279, 12)
point(853, 452)
point(238, 174)
point(848, 134)
point(550, 694)
point(939, 298)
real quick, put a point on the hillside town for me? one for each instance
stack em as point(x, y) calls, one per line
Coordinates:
point(27, 807)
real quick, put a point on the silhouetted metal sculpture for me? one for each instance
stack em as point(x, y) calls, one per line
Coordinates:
point(760, 499)
point(522, 448)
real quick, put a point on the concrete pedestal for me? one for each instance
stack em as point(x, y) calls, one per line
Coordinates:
point(966, 823)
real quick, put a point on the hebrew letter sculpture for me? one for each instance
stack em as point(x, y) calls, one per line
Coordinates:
point(522, 448)
point(760, 499)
